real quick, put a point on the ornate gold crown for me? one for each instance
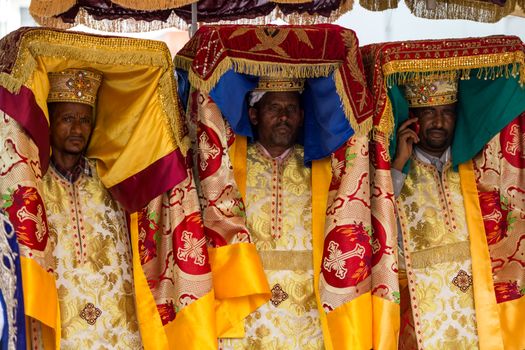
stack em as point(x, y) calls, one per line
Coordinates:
point(74, 85)
point(431, 91)
point(279, 84)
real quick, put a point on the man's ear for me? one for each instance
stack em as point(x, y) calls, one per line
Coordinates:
point(252, 113)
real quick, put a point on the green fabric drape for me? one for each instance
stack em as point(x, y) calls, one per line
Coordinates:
point(484, 108)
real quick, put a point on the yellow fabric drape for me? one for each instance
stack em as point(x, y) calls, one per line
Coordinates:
point(385, 323)
point(240, 259)
point(321, 178)
point(238, 153)
point(351, 324)
point(487, 315)
point(512, 320)
point(193, 327)
point(236, 300)
point(129, 114)
point(39, 285)
point(150, 324)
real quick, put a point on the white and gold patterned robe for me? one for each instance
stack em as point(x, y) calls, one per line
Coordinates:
point(93, 269)
point(279, 216)
point(437, 256)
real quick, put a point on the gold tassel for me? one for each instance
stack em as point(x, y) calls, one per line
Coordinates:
point(386, 122)
point(474, 10)
point(48, 8)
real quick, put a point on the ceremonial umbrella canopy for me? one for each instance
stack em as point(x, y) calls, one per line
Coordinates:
point(138, 16)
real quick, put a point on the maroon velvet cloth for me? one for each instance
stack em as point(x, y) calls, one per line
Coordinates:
point(208, 10)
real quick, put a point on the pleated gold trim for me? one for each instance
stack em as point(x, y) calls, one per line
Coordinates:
point(479, 11)
point(287, 260)
point(454, 252)
point(100, 50)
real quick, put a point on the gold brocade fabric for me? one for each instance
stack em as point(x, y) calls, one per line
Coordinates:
point(93, 270)
point(278, 206)
point(438, 261)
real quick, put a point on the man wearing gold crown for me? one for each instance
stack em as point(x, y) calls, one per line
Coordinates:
point(278, 208)
point(437, 299)
point(87, 227)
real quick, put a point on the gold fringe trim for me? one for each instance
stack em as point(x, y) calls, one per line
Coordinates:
point(386, 123)
point(378, 5)
point(48, 8)
point(454, 252)
point(362, 128)
point(121, 25)
point(474, 10)
point(100, 50)
point(280, 70)
point(152, 5)
point(491, 66)
point(256, 68)
point(130, 25)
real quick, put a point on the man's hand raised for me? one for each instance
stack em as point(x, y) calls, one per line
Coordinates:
point(406, 137)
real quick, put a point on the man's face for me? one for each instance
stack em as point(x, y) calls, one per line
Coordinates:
point(71, 125)
point(277, 117)
point(437, 125)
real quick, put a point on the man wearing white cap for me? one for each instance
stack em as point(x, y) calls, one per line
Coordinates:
point(279, 216)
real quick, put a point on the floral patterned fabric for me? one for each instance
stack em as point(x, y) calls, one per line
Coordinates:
point(438, 259)
point(278, 208)
point(92, 263)
point(500, 178)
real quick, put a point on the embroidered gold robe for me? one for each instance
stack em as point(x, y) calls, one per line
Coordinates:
point(438, 260)
point(279, 216)
point(93, 268)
